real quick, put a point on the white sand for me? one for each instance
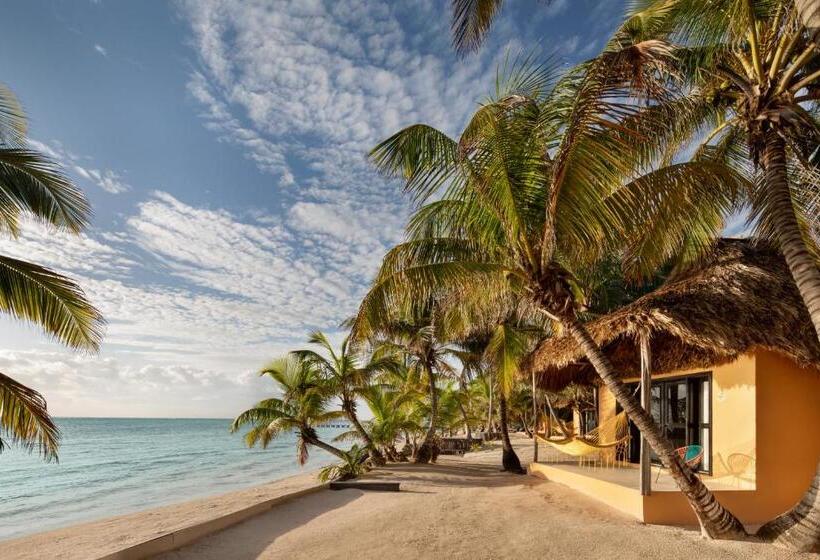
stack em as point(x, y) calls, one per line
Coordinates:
point(459, 508)
point(98, 538)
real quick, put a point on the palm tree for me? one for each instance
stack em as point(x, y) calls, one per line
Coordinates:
point(522, 406)
point(480, 390)
point(749, 76)
point(390, 417)
point(749, 85)
point(410, 389)
point(463, 387)
point(421, 341)
point(513, 205)
point(353, 465)
point(347, 376)
point(502, 346)
point(451, 404)
point(33, 187)
point(304, 403)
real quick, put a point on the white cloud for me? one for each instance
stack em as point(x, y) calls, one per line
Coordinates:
point(100, 49)
point(75, 384)
point(556, 7)
point(196, 297)
point(82, 254)
point(307, 90)
point(185, 287)
point(106, 179)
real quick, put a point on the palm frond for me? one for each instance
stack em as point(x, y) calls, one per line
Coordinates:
point(425, 157)
point(350, 435)
point(676, 211)
point(25, 421)
point(471, 20)
point(55, 303)
point(32, 184)
point(13, 123)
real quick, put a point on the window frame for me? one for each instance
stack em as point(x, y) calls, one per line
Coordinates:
point(691, 425)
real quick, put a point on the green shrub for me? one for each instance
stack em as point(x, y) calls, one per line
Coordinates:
point(353, 466)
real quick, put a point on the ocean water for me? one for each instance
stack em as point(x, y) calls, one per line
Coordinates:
point(112, 466)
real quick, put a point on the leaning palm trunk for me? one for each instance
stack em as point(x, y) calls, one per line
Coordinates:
point(798, 528)
point(509, 459)
point(715, 520)
point(316, 442)
point(425, 451)
point(375, 455)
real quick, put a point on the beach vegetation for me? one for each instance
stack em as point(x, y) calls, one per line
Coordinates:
point(515, 205)
point(304, 404)
point(354, 464)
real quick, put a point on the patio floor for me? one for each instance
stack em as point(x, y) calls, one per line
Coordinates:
point(628, 476)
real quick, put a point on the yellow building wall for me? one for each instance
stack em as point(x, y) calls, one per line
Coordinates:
point(606, 404)
point(734, 422)
point(733, 410)
point(765, 444)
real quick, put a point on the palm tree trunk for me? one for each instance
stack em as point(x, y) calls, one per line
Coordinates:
point(715, 520)
point(802, 265)
point(326, 446)
point(490, 410)
point(425, 450)
point(526, 423)
point(509, 459)
point(350, 410)
point(467, 430)
point(798, 528)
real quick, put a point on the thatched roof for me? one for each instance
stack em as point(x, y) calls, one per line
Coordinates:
point(740, 298)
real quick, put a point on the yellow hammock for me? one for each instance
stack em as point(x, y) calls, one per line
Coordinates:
point(610, 434)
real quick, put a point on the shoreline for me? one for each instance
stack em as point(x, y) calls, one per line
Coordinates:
point(460, 507)
point(155, 530)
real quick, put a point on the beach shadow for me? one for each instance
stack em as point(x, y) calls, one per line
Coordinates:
point(452, 473)
point(249, 539)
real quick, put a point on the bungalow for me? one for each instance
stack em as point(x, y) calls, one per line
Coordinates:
point(731, 365)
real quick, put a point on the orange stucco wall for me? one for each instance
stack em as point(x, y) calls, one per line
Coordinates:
point(788, 430)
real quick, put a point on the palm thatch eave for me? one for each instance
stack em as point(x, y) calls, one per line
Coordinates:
point(738, 299)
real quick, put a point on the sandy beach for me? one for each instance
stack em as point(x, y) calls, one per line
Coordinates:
point(459, 508)
point(462, 507)
point(99, 538)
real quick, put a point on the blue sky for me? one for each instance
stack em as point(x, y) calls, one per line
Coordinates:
point(222, 145)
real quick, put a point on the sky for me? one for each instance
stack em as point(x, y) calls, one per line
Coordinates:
point(223, 146)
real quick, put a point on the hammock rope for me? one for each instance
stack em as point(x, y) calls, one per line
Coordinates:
point(607, 443)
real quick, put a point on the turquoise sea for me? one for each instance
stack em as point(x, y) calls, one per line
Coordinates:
point(112, 466)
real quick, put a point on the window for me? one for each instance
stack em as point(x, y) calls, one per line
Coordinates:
point(682, 408)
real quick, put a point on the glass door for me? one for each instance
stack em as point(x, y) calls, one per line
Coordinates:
point(676, 412)
point(681, 408)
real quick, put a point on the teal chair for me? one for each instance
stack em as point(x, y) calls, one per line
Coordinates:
point(692, 455)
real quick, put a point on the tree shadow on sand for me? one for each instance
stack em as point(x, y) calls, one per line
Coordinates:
point(249, 539)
